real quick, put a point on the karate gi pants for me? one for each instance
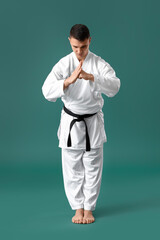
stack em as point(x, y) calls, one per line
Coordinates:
point(82, 174)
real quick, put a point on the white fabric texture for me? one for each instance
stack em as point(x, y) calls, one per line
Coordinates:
point(82, 176)
point(81, 97)
point(97, 135)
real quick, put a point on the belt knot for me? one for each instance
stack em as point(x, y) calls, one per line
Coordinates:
point(78, 119)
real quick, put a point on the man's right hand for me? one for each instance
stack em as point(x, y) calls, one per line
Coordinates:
point(73, 76)
point(76, 73)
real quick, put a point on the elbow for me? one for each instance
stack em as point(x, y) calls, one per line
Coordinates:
point(118, 85)
point(116, 89)
point(46, 95)
point(44, 92)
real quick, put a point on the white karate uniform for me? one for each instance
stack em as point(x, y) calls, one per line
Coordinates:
point(82, 174)
point(82, 97)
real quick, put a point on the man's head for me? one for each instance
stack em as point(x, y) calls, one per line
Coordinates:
point(80, 39)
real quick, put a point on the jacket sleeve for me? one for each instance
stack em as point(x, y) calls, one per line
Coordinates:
point(53, 85)
point(106, 81)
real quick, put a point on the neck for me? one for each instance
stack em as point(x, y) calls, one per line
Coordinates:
point(82, 59)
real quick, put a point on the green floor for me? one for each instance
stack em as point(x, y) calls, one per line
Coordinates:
point(33, 204)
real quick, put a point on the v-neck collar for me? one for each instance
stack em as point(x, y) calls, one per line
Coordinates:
point(76, 59)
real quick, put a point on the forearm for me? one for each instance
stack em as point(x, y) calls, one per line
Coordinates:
point(66, 83)
point(53, 87)
point(108, 85)
point(91, 77)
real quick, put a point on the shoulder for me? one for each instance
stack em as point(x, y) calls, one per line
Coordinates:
point(100, 61)
point(63, 62)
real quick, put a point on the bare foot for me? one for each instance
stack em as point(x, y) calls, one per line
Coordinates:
point(88, 217)
point(78, 218)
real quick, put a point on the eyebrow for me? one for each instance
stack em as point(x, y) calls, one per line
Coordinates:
point(82, 46)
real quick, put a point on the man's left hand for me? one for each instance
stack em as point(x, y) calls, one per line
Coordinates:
point(86, 76)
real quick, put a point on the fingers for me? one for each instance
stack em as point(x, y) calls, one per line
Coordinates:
point(80, 65)
point(79, 70)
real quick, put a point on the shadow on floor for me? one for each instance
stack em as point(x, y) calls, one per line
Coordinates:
point(118, 209)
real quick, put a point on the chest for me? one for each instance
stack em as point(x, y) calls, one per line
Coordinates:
point(89, 66)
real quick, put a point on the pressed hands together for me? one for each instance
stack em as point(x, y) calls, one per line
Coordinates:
point(78, 73)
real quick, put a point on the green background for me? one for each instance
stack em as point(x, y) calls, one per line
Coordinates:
point(34, 36)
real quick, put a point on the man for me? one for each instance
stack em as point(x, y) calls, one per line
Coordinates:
point(79, 79)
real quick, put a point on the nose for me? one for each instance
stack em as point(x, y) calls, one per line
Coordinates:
point(79, 51)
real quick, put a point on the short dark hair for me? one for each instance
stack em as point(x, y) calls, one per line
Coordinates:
point(79, 32)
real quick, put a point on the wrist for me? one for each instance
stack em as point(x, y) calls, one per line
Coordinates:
point(66, 82)
point(91, 77)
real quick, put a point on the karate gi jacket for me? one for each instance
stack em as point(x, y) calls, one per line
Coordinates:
point(81, 97)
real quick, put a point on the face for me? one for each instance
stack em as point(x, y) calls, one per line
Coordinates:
point(80, 48)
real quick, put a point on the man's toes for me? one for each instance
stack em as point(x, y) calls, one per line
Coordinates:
point(77, 221)
point(92, 220)
point(74, 220)
point(84, 220)
point(89, 220)
point(80, 220)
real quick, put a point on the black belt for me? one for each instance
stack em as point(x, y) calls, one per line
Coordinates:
point(79, 118)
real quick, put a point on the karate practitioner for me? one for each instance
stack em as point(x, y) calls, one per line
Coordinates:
point(79, 79)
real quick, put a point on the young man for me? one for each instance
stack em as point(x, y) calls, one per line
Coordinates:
point(79, 79)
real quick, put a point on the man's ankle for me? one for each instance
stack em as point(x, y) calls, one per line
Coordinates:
point(80, 209)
